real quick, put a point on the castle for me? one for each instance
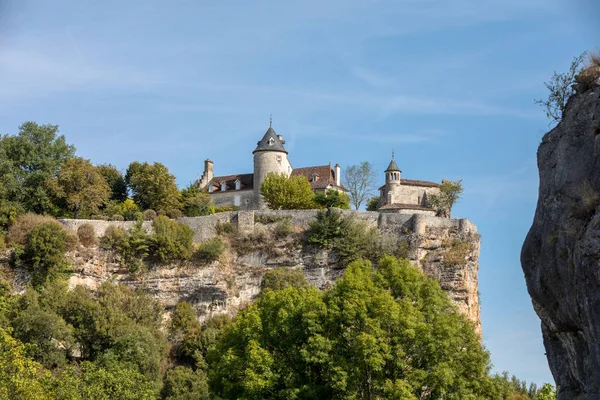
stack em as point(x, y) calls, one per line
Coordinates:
point(270, 156)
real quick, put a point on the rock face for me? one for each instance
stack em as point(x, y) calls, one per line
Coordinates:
point(443, 248)
point(561, 254)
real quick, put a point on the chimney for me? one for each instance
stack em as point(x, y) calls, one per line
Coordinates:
point(207, 175)
point(338, 178)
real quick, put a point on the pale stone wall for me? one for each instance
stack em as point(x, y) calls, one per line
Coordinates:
point(228, 198)
point(266, 162)
point(101, 226)
point(404, 194)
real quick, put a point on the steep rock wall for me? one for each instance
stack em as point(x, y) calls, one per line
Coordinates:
point(443, 248)
point(561, 254)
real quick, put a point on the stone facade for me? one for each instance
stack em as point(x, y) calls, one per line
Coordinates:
point(405, 195)
point(270, 156)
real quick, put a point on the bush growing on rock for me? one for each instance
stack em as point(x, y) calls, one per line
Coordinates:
point(117, 217)
point(209, 251)
point(171, 240)
point(44, 252)
point(149, 215)
point(18, 231)
point(87, 235)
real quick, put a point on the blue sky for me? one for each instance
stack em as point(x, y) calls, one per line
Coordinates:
point(448, 84)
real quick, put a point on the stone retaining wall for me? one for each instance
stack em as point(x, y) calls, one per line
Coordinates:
point(205, 227)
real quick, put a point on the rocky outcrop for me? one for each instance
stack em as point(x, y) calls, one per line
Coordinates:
point(561, 254)
point(443, 248)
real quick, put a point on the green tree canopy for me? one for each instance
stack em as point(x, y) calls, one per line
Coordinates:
point(372, 203)
point(332, 198)
point(196, 202)
point(385, 333)
point(153, 186)
point(81, 186)
point(36, 154)
point(287, 193)
point(115, 180)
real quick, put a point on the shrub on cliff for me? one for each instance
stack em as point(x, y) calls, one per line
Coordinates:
point(450, 192)
point(209, 251)
point(171, 240)
point(87, 235)
point(560, 88)
point(44, 252)
point(389, 332)
point(18, 231)
point(131, 246)
point(149, 215)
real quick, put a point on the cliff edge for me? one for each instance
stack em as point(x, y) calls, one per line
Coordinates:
point(561, 254)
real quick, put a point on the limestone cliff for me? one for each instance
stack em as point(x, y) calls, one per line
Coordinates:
point(443, 248)
point(561, 254)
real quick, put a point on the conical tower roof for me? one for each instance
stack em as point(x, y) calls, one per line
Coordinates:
point(393, 166)
point(270, 142)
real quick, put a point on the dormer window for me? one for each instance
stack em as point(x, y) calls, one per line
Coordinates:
point(271, 142)
point(315, 177)
point(223, 186)
point(211, 187)
point(238, 184)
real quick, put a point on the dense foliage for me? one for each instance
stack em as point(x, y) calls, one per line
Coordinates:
point(332, 198)
point(281, 192)
point(153, 186)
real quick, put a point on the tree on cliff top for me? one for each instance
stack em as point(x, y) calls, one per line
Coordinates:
point(287, 193)
point(153, 186)
point(36, 154)
point(361, 181)
point(560, 87)
point(81, 186)
point(443, 202)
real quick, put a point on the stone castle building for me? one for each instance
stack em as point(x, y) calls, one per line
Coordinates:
point(397, 195)
point(270, 156)
point(407, 196)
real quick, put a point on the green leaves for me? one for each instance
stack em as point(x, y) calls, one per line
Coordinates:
point(287, 193)
point(153, 186)
point(386, 333)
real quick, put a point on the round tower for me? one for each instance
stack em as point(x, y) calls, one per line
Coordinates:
point(392, 183)
point(269, 157)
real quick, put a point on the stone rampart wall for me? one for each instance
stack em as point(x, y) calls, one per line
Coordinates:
point(205, 227)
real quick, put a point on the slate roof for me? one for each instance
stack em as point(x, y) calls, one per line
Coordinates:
point(246, 180)
point(270, 142)
point(412, 182)
point(325, 176)
point(393, 166)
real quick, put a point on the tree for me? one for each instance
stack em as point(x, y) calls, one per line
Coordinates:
point(372, 203)
point(153, 186)
point(184, 383)
point(81, 186)
point(36, 154)
point(44, 253)
point(287, 193)
point(332, 198)
point(20, 377)
point(115, 181)
point(361, 181)
point(385, 333)
point(560, 87)
point(443, 202)
point(196, 202)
